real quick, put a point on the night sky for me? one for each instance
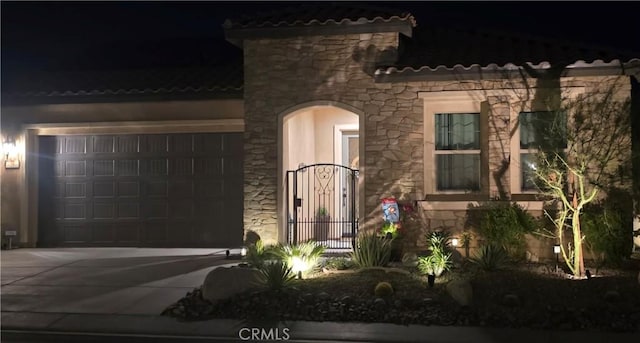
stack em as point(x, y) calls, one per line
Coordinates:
point(121, 35)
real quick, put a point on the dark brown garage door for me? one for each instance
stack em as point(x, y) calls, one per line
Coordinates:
point(164, 190)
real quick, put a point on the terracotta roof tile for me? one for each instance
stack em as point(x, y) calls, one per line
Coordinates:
point(440, 47)
point(319, 15)
point(214, 80)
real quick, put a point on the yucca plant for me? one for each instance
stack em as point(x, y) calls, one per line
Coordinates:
point(276, 275)
point(258, 253)
point(371, 250)
point(301, 258)
point(491, 257)
point(435, 264)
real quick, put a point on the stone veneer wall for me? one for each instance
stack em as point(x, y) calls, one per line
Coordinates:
point(281, 74)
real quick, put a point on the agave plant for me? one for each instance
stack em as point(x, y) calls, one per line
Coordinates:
point(435, 264)
point(301, 258)
point(371, 251)
point(276, 275)
point(258, 253)
point(491, 257)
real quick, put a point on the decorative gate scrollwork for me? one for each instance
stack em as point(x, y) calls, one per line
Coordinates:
point(322, 205)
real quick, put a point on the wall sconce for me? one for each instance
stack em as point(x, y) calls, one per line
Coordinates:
point(10, 151)
point(455, 242)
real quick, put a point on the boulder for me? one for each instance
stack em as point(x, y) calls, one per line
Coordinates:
point(460, 290)
point(222, 282)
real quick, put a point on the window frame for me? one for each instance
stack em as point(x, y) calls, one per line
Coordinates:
point(439, 152)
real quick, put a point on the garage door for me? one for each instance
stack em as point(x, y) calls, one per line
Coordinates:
point(164, 190)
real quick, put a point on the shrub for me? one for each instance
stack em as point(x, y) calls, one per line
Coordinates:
point(383, 290)
point(505, 225)
point(301, 258)
point(258, 253)
point(605, 227)
point(371, 251)
point(338, 263)
point(491, 257)
point(276, 275)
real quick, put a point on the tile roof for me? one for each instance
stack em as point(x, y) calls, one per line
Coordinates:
point(225, 79)
point(458, 49)
point(320, 15)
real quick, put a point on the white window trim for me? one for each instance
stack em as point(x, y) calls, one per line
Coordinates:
point(444, 102)
point(470, 101)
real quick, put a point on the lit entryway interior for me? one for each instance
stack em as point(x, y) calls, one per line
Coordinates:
point(320, 160)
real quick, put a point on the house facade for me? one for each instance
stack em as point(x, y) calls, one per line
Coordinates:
point(426, 116)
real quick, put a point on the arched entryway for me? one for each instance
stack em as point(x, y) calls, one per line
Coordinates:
point(320, 179)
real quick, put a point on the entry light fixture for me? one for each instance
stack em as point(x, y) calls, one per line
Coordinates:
point(10, 151)
point(455, 242)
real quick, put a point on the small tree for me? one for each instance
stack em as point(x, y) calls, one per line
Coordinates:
point(597, 155)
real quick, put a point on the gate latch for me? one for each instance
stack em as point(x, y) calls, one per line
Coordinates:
point(297, 202)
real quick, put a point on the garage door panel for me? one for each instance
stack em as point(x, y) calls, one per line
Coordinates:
point(73, 211)
point(181, 188)
point(154, 144)
point(103, 233)
point(104, 189)
point(127, 144)
point(155, 232)
point(76, 233)
point(209, 188)
point(75, 168)
point(127, 232)
point(181, 209)
point(144, 190)
point(75, 145)
point(128, 210)
point(104, 144)
point(104, 210)
point(181, 143)
point(155, 167)
point(128, 189)
point(75, 190)
point(181, 167)
point(157, 209)
point(104, 168)
point(208, 166)
point(128, 167)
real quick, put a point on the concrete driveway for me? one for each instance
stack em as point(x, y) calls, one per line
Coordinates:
point(102, 280)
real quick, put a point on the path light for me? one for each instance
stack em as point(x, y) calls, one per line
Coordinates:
point(243, 252)
point(556, 250)
point(298, 265)
point(455, 242)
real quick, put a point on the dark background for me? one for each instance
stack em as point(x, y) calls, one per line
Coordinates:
point(122, 35)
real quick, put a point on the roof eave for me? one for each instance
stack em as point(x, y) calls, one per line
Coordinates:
point(476, 72)
point(237, 35)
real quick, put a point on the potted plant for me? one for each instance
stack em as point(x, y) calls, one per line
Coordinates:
point(321, 227)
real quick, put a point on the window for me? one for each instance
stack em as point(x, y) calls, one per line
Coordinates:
point(457, 151)
point(546, 131)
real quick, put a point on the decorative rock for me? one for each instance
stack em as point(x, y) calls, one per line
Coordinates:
point(511, 300)
point(323, 295)
point(346, 300)
point(379, 303)
point(223, 282)
point(611, 296)
point(410, 259)
point(460, 291)
point(398, 303)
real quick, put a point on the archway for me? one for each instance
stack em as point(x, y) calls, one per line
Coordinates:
point(319, 174)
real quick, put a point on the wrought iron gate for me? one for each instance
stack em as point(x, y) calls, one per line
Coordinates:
point(322, 205)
